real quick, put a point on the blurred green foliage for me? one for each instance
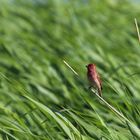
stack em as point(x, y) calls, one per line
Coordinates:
point(40, 98)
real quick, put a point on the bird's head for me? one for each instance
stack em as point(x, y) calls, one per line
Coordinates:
point(91, 66)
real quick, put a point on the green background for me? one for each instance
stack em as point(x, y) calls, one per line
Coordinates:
point(40, 97)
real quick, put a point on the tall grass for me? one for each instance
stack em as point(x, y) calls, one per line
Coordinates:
point(40, 98)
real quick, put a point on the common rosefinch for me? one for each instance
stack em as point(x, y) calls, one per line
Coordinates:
point(94, 78)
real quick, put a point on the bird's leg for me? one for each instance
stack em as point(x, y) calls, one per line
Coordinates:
point(90, 87)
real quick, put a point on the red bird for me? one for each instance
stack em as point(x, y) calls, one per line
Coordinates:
point(94, 78)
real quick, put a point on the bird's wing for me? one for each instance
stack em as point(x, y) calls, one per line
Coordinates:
point(98, 77)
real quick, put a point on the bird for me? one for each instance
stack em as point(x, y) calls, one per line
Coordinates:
point(94, 78)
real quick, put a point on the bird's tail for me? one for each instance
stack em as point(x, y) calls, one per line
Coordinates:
point(100, 92)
